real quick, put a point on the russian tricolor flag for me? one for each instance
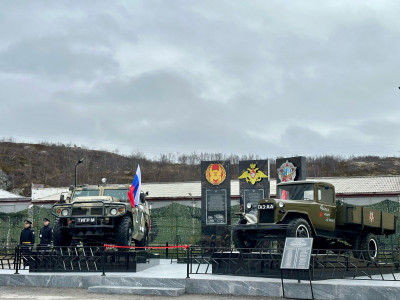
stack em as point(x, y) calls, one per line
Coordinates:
point(134, 190)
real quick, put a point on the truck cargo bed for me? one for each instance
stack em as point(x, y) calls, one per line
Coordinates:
point(365, 217)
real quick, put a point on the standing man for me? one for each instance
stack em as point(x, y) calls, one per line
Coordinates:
point(26, 240)
point(27, 237)
point(46, 234)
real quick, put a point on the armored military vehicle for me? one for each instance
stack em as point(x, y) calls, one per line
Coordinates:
point(310, 209)
point(100, 214)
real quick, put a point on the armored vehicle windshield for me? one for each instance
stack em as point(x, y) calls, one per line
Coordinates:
point(121, 194)
point(85, 193)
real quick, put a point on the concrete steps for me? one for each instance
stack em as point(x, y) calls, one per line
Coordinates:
point(138, 290)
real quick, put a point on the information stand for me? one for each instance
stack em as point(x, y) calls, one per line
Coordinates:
point(297, 256)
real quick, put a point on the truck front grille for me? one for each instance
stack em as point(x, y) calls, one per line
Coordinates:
point(87, 211)
point(266, 215)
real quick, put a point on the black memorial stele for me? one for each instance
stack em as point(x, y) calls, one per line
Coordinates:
point(253, 182)
point(215, 203)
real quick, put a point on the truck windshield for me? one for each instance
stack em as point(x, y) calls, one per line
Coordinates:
point(296, 192)
point(84, 193)
point(121, 194)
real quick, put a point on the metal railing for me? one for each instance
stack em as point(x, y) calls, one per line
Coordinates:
point(257, 262)
point(59, 259)
point(324, 264)
point(107, 258)
point(72, 259)
point(7, 257)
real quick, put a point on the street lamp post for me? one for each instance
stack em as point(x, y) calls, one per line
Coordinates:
point(76, 166)
point(193, 207)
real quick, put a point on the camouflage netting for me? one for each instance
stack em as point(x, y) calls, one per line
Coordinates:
point(392, 207)
point(175, 224)
point(11, 224)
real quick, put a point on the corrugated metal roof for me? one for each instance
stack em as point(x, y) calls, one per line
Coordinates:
point(48, 193)
point(365, 185)
point(343, 185)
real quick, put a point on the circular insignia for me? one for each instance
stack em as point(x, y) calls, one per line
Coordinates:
point(287, 172)
point(215, 174)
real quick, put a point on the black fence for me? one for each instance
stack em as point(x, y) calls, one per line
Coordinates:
point(75, 259)
point(324, 264)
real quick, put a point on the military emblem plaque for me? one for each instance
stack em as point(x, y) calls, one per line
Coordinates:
point(291, 169)
point(215, 202)
point(254, 183)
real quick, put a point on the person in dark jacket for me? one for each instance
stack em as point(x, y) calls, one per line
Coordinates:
point(27, 240)
point(46, 234)
point(27, 236)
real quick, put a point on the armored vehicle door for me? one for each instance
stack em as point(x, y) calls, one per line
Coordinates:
point(326, 219)
point(138, 222)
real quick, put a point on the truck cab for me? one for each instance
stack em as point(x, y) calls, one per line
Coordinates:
point(313, 201)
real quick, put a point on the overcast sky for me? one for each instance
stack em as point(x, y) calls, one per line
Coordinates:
point(272, 78)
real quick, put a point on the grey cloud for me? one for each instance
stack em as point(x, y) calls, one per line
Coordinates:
point(259, 77)
point(53, 57)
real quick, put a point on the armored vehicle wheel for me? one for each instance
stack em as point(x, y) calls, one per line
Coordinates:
point(145, 240)
point(124, 232)
point(369, 245)
point(298, 228)
point(60, 235)
point(241, 239)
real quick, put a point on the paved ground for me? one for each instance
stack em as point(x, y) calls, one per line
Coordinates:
point(45, 293)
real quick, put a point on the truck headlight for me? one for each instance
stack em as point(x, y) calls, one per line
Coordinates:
point(113, 211)
point(281, 204)
point(249, 206)
point(64, 212)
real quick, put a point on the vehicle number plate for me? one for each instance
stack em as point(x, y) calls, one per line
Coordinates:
point(265, 206)
point(85, 220)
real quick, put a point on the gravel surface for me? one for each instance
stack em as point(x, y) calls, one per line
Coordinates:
point(46, 293)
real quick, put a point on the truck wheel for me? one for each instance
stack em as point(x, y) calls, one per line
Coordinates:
point(298, 228)
point(241, 239)
point(145, 240)
point(60, 235)
point(124, 232)
point(369, 245)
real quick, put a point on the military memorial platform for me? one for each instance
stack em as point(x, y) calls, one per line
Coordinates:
point(170, 280)
point(203, 272)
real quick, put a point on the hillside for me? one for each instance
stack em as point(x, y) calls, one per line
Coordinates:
point(22, 164)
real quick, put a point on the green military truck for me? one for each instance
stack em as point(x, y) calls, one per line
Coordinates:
point(100, 214)
point(310, 209)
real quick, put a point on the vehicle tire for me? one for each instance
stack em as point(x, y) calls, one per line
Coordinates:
point(145, 240)
point(299, 228)
point(241, 239)
point(369, 247)
point(124, 232)
point(60, 235)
